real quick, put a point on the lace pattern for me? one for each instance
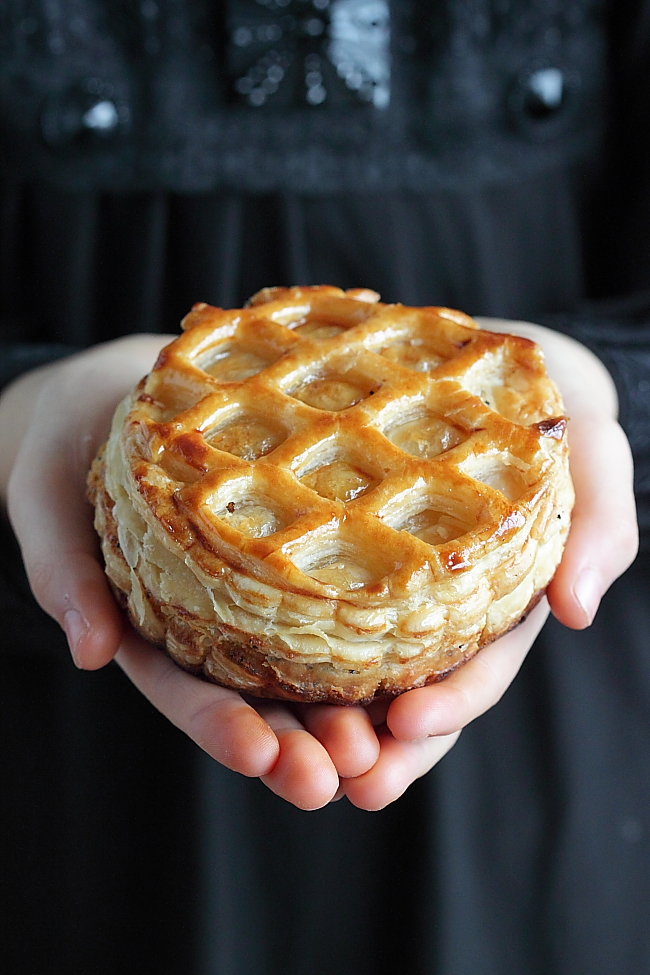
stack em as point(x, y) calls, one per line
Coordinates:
point(312, 95)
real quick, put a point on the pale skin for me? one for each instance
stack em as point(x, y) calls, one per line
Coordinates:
point(51, 422)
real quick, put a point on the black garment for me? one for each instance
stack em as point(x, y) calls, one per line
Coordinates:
point(526, 850)
point(332, 97)
point(316, 95)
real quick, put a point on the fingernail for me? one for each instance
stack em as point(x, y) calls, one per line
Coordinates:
point(75, 627)
point(588, 590)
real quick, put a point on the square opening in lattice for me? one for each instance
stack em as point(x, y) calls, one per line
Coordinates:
point(436, 527)
point(504, 385)
point(431, 517)
point(233, 361)
point(422, 346)
point(252, 518)
point(319, 330)
point(167, 397)
point(341, 563)
point(422, 433)
point(178, 468)
point(502, 471)
point(334, 391)
point(245, 506)
point(337, 473)
point(328, 316)
point(246, 434)
point(340, 481)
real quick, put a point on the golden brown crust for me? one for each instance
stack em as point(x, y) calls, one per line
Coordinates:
point(323, 498)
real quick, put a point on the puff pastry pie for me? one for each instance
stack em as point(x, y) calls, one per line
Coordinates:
point(321, 497)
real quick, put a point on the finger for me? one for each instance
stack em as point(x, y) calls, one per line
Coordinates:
point(378, 710)
point(70, 406)
point(603, 539)
point(217, 719)
point(340, 792)
point(400, 763)
point(346, 733)
point(304, 773)
point(447, 707)
point(53, 522)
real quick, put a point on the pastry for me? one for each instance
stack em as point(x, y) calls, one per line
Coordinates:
point(321, 497)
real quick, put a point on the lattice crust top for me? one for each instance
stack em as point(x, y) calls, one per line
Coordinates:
point(352, 483)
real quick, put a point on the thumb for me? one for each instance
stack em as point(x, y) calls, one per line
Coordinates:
point(52, 520)
point(603, 539)
point(63, 413)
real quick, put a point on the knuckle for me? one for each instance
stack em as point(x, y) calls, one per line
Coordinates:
point(41, 575)
point(629, 541)
point(203, 725)
point(624, 544)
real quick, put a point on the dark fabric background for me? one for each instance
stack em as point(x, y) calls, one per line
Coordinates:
point(526, 850)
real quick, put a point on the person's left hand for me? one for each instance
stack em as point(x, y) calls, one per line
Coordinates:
point(602, 543)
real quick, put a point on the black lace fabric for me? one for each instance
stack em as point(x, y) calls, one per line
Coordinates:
point(308, 95)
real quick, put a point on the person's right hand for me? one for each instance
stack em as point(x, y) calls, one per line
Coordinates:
point(601, 545)
point(52, 422)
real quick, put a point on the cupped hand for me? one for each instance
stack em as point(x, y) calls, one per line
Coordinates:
point(602, 541)
point(51, 423)
point(604, 538)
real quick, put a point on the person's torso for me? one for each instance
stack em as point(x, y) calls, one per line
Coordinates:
point(300, 95)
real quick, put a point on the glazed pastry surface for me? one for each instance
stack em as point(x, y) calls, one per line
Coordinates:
point(321, 497)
